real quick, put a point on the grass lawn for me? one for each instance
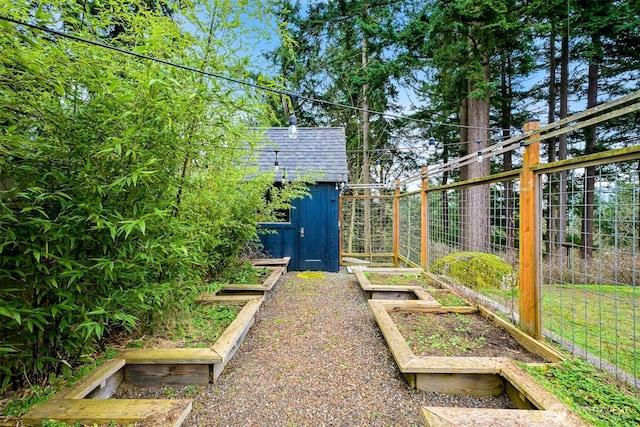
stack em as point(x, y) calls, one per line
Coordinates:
point(604, 319)
point(601, 318)
point(590, 393)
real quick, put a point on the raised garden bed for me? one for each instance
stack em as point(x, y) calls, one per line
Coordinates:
point(271, 262)
point(401, 283)
point(469, 374)
point(267, 281)
point(89, 400)
point(458, 332)
point(393, 292)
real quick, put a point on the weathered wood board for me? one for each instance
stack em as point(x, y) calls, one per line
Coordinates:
point(395, 271)
point(392, 292)
point(158, 413)
point(267, 285)
point(151, 367)
point(393, 295)
point(528, 342)
point(482, 417)
point(480, 385)
point(282, 262)
point(229, 342)
point(176, 356)
point(173, 374)
point(478, 376)
point(224, 299)
point(100, 383)
point(213, 360)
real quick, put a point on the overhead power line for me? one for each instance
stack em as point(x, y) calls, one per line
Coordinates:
point(230, 79)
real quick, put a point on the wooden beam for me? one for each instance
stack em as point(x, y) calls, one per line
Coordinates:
point(278, 262)
point(530, 389)
point(393, 295)
point(529, 239)
point(418, 306)
point(365, 284)
point(340, 227)
point(538, 347)
point(453, 365)
point(395, 271)
point(96, 379)
point(479, 385)
point(396, 224)
point(425, 307)
point(398, 346)
point(225, 299)
point(171, 374)
point(424, 226)
point(231, 339)
point(482, 417)
point(170, 356)
point(160, 413)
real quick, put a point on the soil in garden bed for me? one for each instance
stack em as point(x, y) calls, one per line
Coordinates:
point(454, 334)
point(447, 298)
point(399, 280)
point(315, 356)
point(248, 274)
point(196, 325)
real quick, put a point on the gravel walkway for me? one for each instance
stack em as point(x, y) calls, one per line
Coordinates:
point(314, 357)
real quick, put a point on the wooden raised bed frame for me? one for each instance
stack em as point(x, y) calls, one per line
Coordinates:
point(254, 288)
point(393, 292)
point(478, 376)
point(88, 401)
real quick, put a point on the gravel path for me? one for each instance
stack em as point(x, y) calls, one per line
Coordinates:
point(314, 357)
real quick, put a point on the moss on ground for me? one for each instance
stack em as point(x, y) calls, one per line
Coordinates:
point(476, 270)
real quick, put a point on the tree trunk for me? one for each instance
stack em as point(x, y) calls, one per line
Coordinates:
point(476, 229)
point(464, 134)
point(562, 139)
point(553, 245)
point(366, 162)
point(506, 93)
point(444, 199)
point(352, 224)
point(462, 199)
point(586, 241)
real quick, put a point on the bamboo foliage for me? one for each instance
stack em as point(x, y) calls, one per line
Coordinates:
point(122, 182)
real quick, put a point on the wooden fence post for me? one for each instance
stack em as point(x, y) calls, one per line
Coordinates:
point(424, 230)
point(530, 310)
point(396, 224)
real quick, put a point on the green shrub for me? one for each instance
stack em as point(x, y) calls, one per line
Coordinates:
point(122, 182)
point(476, 270)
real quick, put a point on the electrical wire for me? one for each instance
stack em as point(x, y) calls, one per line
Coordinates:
point(230, 79)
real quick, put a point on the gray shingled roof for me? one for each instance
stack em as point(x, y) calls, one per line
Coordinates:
point(321, 151)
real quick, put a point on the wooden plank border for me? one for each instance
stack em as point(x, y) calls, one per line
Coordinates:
point(160, 413)
point(88, 401)
point(393, 292)
point(270, 262)
point(481, 376)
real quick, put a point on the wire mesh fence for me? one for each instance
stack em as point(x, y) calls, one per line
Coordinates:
point(367, 228)
point(590, 269)
point(553, 246)
point(460, 255)
point(410, 236)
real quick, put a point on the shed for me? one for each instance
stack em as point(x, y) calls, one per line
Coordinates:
point(310, 233)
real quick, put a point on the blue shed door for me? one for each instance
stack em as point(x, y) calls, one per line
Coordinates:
point(313, 231)
point(311, 238)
